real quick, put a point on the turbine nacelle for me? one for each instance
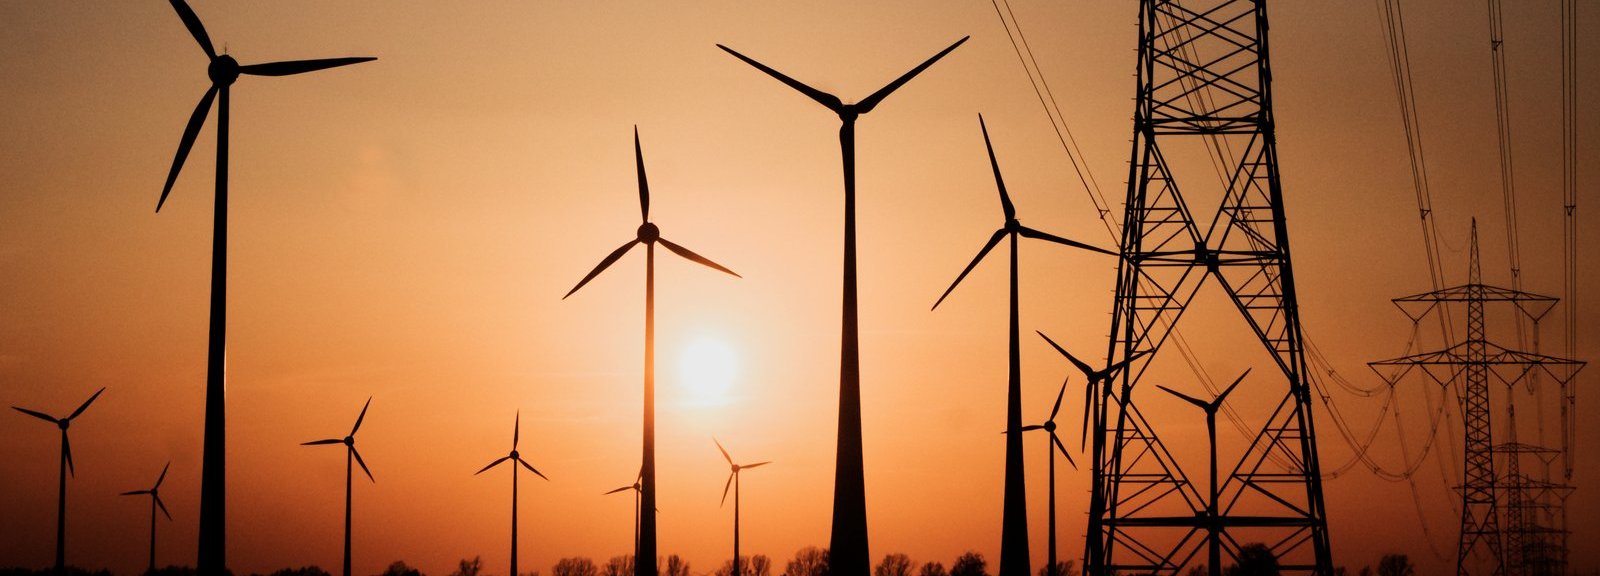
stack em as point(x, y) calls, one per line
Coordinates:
point(224, 70)
point(649, 233)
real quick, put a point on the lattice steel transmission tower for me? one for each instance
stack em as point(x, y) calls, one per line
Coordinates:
point(1520, 545)
point(1204, 89)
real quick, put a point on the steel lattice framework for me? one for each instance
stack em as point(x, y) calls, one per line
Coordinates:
point(1524, 543)
point(1204, 79)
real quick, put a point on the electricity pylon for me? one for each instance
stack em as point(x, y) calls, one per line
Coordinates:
point(1484, 547)
point(1204, 80)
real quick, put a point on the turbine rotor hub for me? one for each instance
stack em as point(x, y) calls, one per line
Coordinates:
point(1050, 426)
point(224, 70)
point(1013, 225)
point(735, 467)
point(514, 455)
point(649, 233)
point(349, 440)
point(63, 423)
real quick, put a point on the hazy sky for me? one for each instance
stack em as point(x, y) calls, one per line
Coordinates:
point(405, 229)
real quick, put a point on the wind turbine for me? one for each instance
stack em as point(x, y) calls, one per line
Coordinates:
point(1051, 448)
point(649, 235)
point(1014, 522)
point(847, 546)
point(1213, 522)
point(223, 71)
point(155, 501)
point(516, 432)
point(634, 487)
point(66, 468)
point(733, 480)
point(350, 453)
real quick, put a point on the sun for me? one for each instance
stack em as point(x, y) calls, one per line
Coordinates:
point(706, 370)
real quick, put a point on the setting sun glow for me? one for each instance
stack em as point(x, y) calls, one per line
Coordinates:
point(707, 368)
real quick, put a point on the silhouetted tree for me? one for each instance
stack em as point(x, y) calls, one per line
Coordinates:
point(1365, 571)
point(301, 571)
point(618, 566)
point(1254, 560)
point(189, 571)
point(1396, 565)
point(895, 564)
point(970, 564)
point(676, 566)
point(1067, 568)
point(932, 569)
point(808, 561)
point(575, 566)
point(1197, 570)
point(758, 565)
point(400, 568)
point(466, 567)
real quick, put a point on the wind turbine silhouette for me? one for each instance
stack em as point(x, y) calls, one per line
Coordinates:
point(66, 468)
point(155, 500)
point(635, 488)
point(1051, 448)
point(1014, 523)
point(1214, 523)
point(223, 71)
point(350, 452)
point(733, 480)
point(1095, 378)
point(847, 546)
point(515, 457)
point(649, 235)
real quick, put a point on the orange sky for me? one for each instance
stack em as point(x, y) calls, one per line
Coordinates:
point(405, 229)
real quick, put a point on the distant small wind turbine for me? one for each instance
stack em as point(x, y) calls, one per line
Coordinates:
point(847, 545)
point(1095, 378)
point(66, 468)
point(1052, 446)
point(350, 453)
point(649, 235)
point(155, 501)
point(223, 71)
point(634, 487)
point(1014, 522)
point(514, 456)
point(733, 480)
point(1213, 521)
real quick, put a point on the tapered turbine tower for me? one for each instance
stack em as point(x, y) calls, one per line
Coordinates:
point(351, 453)
point(649, 235)
point(66, 468)
point(847, 546)
point(223, 71)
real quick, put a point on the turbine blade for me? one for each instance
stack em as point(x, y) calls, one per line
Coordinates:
point(362, 416)
point(1082, 367)
point(85, 405)
point(321, 442)
point(1029, 427)
point(163, 476)
point(363, 463)
point(66, 452)
point(1114, 368)
point(1088, 400)
point(1059, 396)
point(1009, 209)
point(1059, 446)
point(622, 489)
point(605, 263)
point(135, 492)
point(690, 255)
point(1187, 398)
point(1220, 397)
point(748, 466)
point(161, 505)
point(726, 486)
point(39, 415)
point(724, 451)
point(516, 431)
point(1037, 235)
point(530, 468)
point(292, 67)
point(872, 101)
point(823, 98)
point(993, 240)
point(190, 132)
point(492, 465)
point(644, 184)
point(196, 29)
